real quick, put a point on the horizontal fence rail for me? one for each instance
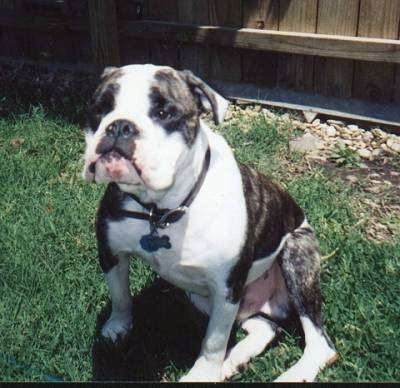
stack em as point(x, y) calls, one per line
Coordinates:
point(334, 48)
point(366, 49)
point(324, 45)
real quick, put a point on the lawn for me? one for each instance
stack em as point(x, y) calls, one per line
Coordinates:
point(53, 295)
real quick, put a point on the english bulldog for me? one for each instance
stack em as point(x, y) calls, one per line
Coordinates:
point(237, 243)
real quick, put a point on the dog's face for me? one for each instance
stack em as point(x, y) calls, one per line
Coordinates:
point(143, 121)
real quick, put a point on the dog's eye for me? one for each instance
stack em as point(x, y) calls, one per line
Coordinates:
point(162, 114)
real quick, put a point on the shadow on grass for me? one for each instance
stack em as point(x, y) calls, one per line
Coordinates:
point(167, 330)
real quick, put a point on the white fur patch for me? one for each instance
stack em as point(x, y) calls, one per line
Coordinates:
point(317, 354)
point(260, 334)
point(120, 321)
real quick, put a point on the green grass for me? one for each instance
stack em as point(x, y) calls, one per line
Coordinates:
point(52, 292)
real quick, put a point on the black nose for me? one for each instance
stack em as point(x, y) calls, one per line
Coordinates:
point(121, 128)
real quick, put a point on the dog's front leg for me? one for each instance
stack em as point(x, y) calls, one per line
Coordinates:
point(120, 320)
point(209, 363)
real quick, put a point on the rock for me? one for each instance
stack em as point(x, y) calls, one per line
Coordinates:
point(268, 113)
point(375, 144)
point(316, 122)
point(385, 148)
point(257, 108)
point(335, 122)
point(353, 128)
point(364, 153)
point(17, 142)
point(228, 115)
point(361, 144)
point(379, 134)
point(377, 152)
point(352, 178)
point(330, 131)
point(367, 137)
point(393, 144)
point(306, 143)
point(309, 115)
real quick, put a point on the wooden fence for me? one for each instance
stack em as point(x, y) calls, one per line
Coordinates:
point(335, 48)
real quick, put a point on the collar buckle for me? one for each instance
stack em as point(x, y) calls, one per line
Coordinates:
point(171, 216)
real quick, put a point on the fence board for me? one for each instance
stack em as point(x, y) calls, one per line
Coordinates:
point(133, 50)
point(361, 30)
point(104, 33)
point(163, 52)
point(297, 71)
point(396, 92)
point(225, 62)
point(9, 37)
point(334, 77)
point(377, 19)
point(370, 49)
point(194, 57)
point(260, 67)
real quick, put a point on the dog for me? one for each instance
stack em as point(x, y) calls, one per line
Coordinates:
point(237, 243)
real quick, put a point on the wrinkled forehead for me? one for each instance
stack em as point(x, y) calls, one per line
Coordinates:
point(141, 86)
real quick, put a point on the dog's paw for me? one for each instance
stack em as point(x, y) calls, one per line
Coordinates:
point(116, 328)
point(233, 364)
point(203, 371)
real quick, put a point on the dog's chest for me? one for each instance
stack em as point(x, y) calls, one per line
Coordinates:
point(182, 264)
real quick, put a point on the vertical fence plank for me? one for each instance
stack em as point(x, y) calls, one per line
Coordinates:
point(261, 14)
point(104, 32)
point(133, 51)
point(396, 93)
point(378, 19)
point(194, 57)
point(297, 71)
point(163, 52)
point(80, 41)
point(226, 62)
point(334, 76)
point(54, 47)
point(260, 67)
point(9, 38)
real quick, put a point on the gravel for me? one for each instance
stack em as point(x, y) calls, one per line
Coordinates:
point(370, 144)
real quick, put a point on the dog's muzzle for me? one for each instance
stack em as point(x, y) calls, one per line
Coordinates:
point(116, 149)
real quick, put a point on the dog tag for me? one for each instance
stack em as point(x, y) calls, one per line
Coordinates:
point(152, 242)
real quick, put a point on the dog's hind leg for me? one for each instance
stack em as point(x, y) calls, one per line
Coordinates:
point(261, 332)
point(300, 264)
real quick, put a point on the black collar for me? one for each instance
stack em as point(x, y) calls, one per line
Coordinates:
point(162, 218)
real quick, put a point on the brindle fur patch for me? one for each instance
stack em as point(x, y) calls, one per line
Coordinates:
point(300, 264)
point(103, 100)
point(271, 214)
point(171, 94)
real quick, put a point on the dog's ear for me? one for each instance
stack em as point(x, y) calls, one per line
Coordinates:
point(108, 71)
point(207, 97)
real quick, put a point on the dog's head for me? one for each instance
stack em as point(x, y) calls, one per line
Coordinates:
point(143, 120)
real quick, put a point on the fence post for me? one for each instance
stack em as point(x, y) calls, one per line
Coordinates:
point(104, 32)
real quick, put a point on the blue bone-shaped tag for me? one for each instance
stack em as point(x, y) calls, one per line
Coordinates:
point(152, 242)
